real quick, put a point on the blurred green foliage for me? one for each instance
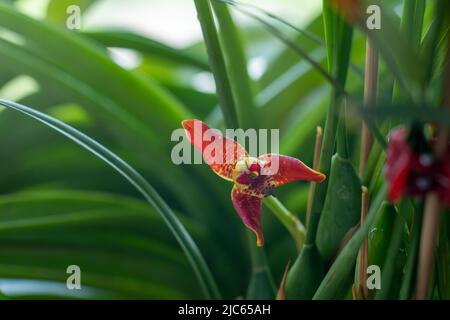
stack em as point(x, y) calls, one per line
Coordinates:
point(61, 206)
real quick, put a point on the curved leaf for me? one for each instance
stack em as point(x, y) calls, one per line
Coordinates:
point(186, 242)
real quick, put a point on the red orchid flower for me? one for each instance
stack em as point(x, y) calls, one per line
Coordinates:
point(254, 178)
point(415, 173)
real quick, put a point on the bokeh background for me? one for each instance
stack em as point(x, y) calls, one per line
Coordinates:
point(128, 78)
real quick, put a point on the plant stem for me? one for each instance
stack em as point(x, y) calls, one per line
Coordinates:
point(236, 62)
point(312, 185)
point(370, 93)
point(217, 61)
point(229, 95)
point(261, 286)
point(341, 270)
point(339, 36)
point(392, 252)
point(290, 221)
point(410, 267)
point(342, 143)
point(363, 292)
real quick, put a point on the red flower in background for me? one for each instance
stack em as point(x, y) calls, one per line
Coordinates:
point(398, 163)
point(415, 173)
point(254, 178)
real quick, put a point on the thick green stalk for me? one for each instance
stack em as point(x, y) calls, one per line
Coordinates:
point(342, 270)
point(344, 34)
point(217, 62)
point(307, 271)
point(290, 221)
point(261, 285)
point(411, 25)
point(236, 62)
point(392, 253)
point(412, 21)
point(430, 43)
point(338, 59)
point(329, 138)
point(410, 267)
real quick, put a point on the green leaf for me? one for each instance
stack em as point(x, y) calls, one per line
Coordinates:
point(261, 285)
point(234, 100)
point(73, 57)
point(389, 275)
point(407, 286)
point(236, 62)
point(380, 235)
point(443, 258)
point(147, 46)
point(218, 65)
point(41, 233)
point(342, 207)
point(340, 274)
point(312, 261)
point(379, 240)
point(186, 242)
point(134, 110)
point(304, 275)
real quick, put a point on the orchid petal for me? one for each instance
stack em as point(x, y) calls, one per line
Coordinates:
point(249, 209)
point(223, 158)
point(283, 169)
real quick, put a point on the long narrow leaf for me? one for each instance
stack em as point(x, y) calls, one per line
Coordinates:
point(217, 61)
point(342, 269)
point(236, 61)
point(184, 239)
point(125, 39)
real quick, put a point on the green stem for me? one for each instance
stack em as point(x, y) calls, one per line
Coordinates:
point(217, 61)
point(290, 221)
point(261, 285)
point(392, 253)
point(342, 143)
point(339, 46)
point(411, 25)
point(410, 267)
point(236, 62)
point(342, 270)
point(329, 139)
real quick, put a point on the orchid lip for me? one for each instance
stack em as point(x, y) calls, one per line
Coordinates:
point(243, 178)
point(255, 167)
